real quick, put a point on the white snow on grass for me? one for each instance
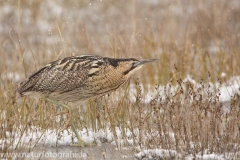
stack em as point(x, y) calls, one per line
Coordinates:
point(227, 89)
point(36, 136)
point(172, 154)
point(11, 76)
point(157, 154)
point(206, 157)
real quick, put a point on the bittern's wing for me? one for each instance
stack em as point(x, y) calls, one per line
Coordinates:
point(62, 75)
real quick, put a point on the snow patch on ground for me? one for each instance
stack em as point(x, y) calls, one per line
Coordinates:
point(36, 136)
point(226, 90)
point(229, 89)
point(157, 154)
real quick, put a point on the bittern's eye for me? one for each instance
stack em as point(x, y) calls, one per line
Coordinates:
point(133, 65)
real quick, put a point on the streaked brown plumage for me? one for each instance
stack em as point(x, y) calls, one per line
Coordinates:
point(78, 78)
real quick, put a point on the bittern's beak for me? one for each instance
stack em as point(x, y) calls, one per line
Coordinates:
point(142, 62)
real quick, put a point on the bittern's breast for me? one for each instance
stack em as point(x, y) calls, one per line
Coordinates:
point(105, 81)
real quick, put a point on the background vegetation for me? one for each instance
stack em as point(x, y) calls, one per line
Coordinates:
point(200, 39)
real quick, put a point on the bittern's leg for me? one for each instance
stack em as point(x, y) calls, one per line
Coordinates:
point(69, 110)
point(80, 141)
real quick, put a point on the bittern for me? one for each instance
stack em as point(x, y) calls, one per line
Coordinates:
point(78, 78)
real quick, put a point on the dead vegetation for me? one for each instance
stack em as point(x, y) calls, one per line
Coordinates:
point(194, 38)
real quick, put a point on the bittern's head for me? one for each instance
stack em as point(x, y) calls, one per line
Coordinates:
point(130, 65)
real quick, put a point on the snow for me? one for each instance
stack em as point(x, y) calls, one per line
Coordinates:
point(229, 89)
point(223, 74)
point(206, 157)
point(172, 154)
point(156, 154)
point(37, 136)
point(226, 90)
point(11, 76)
point(49, 137)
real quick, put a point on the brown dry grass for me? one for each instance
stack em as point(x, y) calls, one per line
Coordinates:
point(194, 38)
